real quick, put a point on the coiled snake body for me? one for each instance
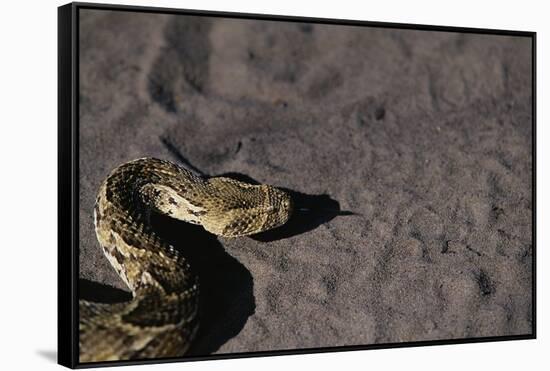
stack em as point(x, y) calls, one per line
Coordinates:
point(161, 319)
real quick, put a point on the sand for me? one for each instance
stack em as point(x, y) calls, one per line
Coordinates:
point(412, 150)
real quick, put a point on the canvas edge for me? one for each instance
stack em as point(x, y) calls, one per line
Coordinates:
point(67, 188)
point(318, 20)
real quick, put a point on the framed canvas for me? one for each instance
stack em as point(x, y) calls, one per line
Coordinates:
point(235, 185)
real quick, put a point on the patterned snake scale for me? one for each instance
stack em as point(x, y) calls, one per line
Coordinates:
point(161, 319)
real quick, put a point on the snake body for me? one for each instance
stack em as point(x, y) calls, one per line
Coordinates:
point(161, 319)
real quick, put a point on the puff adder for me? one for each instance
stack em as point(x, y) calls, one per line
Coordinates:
point(161, 319)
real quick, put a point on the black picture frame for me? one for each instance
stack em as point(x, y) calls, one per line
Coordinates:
point(68, 175)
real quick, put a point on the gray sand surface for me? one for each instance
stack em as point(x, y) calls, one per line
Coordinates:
point(425, 136)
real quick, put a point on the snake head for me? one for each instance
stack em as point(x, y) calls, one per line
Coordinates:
point(246, 209)
point(278, 208)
